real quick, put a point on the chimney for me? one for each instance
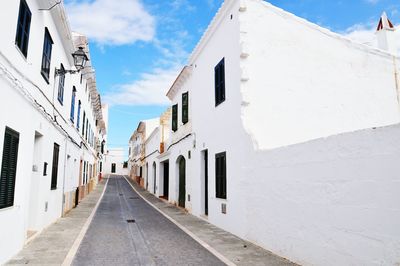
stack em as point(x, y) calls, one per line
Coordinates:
point(386, 35)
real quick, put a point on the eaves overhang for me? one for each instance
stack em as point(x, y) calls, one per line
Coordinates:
point(180, 80)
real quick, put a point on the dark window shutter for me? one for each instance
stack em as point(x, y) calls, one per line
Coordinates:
point(220, 175)
point(83, 124)
point(54, 174)
point(185, 107)
point(61, 83)
point(46, 57)
point(72, 114)
point(175, 117)
point(219, 80)
point(23, 27)
point(9, 168)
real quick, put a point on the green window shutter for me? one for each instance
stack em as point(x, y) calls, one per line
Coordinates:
point(9, 168)
point(185, 107)
point(175, 117)
point(54, 173)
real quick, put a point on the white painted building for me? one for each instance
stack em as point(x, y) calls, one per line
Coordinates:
point(50, 121)
point(274, 137)
point(137, 148)
point(115, 162)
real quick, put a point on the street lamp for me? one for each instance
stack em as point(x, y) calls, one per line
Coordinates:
point(80, 59)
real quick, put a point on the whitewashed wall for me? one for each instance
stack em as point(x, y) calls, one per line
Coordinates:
point(218, 129)
point(305, 82)
point(19, 77)
point(288, 82)
point(117, 156)
point(331, 201)
point(152, 147)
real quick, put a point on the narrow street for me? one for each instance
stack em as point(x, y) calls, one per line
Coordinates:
point(128, 231)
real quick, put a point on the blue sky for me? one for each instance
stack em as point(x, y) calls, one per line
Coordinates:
point(139, 46)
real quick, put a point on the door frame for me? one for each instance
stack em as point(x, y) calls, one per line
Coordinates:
point(181, 185)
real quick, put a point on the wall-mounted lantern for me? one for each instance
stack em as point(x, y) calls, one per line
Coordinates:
point(80, 60)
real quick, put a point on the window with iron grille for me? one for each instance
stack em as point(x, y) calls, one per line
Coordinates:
point(175, 117)
point(46, 57)
point(9, 168)
point(23, 27)
point(72, 114)
point(185, 107)
point(219, 79)
point(220, 175)
point(54, 172)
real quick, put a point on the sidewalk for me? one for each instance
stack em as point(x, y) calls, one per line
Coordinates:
point(53, 244)
point(236, 250)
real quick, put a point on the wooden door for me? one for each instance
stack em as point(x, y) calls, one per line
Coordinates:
point(182, 182)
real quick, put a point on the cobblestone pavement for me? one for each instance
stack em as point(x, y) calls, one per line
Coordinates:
point(128, 231)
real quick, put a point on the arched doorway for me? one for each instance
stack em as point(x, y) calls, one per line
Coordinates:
point(182, 181)
point(154, 177)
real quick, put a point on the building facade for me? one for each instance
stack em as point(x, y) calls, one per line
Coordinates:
point(276, 136)
point(137, 149)
point(115, 162)
point(50, 122)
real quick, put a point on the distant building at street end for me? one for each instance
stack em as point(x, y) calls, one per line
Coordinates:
point(115, 162)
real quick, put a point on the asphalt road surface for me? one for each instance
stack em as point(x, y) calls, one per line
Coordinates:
point(126, 230)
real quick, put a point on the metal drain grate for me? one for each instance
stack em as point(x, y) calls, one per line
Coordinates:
point(134, 198)
point(131, 221)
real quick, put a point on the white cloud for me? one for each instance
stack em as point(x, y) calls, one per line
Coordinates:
point(362, 33)
point(365, 34)
point(111, 22)
point(372, 1)
point(150, 89)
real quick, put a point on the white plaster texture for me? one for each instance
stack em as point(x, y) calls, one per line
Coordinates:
point(35, 204)
point(309, 82)
point(307, 176)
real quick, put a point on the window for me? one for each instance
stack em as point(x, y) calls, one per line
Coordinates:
point(46, 57)
point(72, 114)
point(185, 107)
point(23, 27)
point(61, 82)
point(219, 76)
point(79, 114)
point(84, 173)
point(102, 146)
point(87, 129)
point(9, 168)
point(54, 173)
point(220, 175)
point(83, 124)
point(175, 117)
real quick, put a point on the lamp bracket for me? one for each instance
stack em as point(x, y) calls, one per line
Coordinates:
point(62, 72)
